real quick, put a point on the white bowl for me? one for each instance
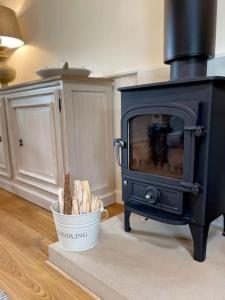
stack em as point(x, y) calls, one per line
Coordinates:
point(79, 72)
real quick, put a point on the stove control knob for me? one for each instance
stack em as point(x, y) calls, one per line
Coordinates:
point(148, 196)
point(152, 195)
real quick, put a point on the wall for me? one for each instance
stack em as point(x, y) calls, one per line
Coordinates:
point(220, 32)
point(107, 36)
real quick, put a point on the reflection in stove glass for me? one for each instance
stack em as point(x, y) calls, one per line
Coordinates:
point(156, 145)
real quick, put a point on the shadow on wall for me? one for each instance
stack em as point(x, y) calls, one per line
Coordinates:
point(16, 5)
point(32, 51)
point(21, 59)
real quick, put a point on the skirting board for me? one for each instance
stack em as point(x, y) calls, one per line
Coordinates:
point(108, 198)
point(40, 199)
point(119, 197)
point(28, 194)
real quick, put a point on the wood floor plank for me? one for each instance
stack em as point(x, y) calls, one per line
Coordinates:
point(26, 230)
point(24, 211)
point(36, 280)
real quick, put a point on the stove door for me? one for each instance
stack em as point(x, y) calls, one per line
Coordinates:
point(159, 144)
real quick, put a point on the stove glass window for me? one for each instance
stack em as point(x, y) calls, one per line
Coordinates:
point(156, 145)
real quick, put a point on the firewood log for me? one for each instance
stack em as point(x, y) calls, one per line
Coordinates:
point(61, 201)
point(75, 208)
point(67, 210)
point(86, 188)
point(92, 203)
point(84, 202)
point(88, 210)
point(85, 185)
point(95, 203)
point(75, 199)
point(80, 196)
point(98, 203)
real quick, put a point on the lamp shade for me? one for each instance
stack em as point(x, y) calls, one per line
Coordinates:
point(10, 34)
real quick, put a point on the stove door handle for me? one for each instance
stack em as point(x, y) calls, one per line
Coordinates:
point(197, 130)
point(194, 188)
point(118, 145)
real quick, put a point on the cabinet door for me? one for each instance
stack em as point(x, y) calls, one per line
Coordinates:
point(5, 169)
point(89, 131)
point(35, 137)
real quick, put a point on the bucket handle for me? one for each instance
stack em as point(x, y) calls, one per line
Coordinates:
point(106, 214)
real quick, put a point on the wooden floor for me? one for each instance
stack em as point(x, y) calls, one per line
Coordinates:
point(26, 230)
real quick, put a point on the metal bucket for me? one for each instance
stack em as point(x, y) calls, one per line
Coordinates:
point(77, 232)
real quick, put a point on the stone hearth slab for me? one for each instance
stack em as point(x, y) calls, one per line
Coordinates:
point(153, 261)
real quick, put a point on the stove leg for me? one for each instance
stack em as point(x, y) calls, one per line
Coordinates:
point(127, 213)
point(199, 235)
point(223, 224)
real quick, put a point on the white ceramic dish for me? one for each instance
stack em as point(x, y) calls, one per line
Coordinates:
point(46, 73)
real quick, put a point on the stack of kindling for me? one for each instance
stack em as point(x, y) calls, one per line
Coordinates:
point(80, 201)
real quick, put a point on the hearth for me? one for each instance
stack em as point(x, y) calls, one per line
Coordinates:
point(172, 146)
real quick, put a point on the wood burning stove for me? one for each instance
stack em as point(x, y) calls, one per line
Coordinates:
point(172, 146)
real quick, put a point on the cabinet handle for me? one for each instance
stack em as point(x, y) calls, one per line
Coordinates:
point(21, 142)
point(0, 139)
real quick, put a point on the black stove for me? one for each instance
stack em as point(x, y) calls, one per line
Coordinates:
point(172, 146)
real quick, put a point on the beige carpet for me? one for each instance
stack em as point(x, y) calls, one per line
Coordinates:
point(152, 262)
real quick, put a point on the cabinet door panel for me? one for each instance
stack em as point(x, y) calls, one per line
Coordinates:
point(90, 134)
point(5, 169)
point(2, 152)
point(36, 154)
point(35, 137)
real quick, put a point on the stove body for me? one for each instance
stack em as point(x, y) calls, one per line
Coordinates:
point(173, 152)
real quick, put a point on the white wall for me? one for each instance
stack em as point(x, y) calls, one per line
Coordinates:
point(107, 36)
point(220, 32)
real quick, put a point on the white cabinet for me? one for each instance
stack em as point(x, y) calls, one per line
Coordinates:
point(54, 126)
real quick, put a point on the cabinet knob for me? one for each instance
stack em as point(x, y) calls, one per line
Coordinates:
point(21, 142)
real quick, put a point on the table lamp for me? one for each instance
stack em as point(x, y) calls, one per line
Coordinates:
point(10, 38)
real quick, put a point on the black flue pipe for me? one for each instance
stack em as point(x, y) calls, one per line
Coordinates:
point(189, 36)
